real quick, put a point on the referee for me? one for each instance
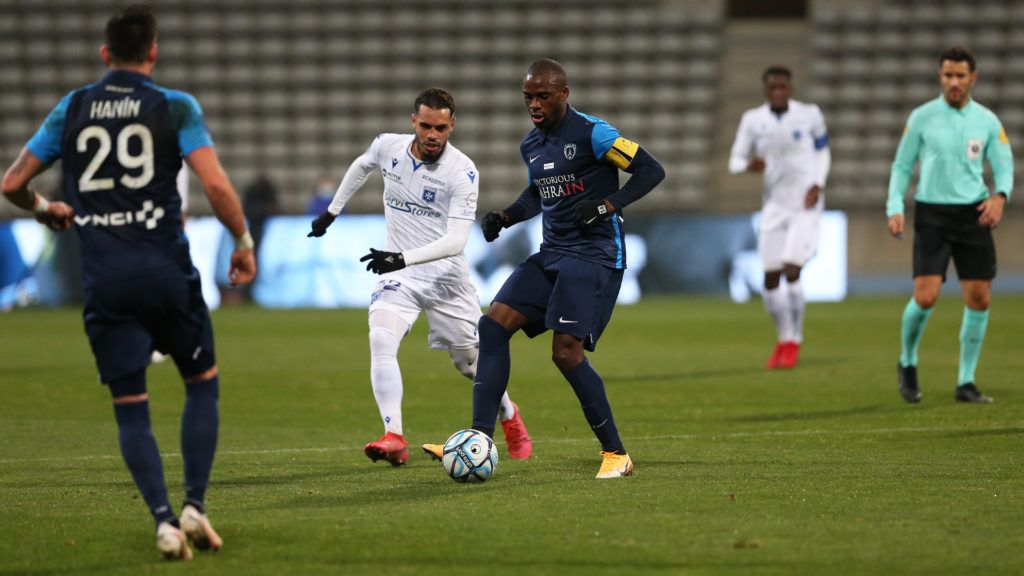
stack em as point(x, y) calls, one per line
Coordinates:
point(954, 215)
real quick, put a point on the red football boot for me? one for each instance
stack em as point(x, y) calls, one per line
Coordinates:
point(516, 437)
point(790, 355)
point(390, 447)
point(773, 360)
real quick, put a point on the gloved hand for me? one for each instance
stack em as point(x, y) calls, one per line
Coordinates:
point(491, 224)
point(381, 262)
point(591, 213)
point(320, 224)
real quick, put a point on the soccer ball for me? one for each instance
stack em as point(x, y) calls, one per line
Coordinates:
point(469, 456)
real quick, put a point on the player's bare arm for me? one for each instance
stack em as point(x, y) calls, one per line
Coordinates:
point(811, 199)
point(991, 210)
point(224, 201)
point(55, 215)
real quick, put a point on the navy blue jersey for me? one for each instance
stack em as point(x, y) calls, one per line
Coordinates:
point(578, 161)
point(122, 140)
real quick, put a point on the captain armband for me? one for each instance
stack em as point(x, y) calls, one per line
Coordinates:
point(621, 153)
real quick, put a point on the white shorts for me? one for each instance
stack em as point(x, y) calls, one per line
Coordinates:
point(788, 236)
point(453, 310)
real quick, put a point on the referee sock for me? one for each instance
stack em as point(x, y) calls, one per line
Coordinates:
point(492, 371)
point(915, 319)
point(199, 424)
point(972, 336)
point(138, 447)
point(589, 389)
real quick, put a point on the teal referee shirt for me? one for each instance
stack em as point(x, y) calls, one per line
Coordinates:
point(951, 144)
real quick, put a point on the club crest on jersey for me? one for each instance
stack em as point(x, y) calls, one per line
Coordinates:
point(570, 151)
point(429, 194)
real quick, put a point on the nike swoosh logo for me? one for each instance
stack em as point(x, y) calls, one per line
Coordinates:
point(532, 158)
point(590, 221)
point(562, 320)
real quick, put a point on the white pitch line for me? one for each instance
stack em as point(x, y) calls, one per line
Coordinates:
point(631, 439)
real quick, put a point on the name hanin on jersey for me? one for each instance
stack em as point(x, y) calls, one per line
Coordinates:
point(107, 109)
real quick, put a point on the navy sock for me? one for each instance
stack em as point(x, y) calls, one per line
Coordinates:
point(589, 389)
point(199, 423)
point(491, 374)
point(138, 446)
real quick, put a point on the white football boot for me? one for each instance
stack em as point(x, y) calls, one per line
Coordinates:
point(197, 527)
point(171, 543)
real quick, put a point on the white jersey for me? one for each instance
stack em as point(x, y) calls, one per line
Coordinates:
point(419, 198)
point(794, 147)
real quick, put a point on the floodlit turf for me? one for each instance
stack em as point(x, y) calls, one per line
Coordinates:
point(819, 470)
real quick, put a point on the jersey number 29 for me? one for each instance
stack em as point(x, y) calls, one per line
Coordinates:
point(129, 161)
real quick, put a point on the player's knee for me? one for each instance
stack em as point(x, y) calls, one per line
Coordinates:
point(926, 299)
point(567, 354)
point(464, 360)
point(129, 388)
point(772, 280)
point(491, 330)
point(792, 273)
point(978, 301)
point(383, 342)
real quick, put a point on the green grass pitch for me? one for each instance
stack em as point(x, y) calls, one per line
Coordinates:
point(818, 470)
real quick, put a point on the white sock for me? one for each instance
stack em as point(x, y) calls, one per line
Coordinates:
point(795, 293)
point(386, 377)
point(777, 305)
point(506, 411)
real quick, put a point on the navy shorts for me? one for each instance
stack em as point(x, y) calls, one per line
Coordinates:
point(952, 231)
point(127, 320)
point(559, 292)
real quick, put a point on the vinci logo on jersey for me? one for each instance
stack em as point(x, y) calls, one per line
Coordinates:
point(148, 216)
point(561, 185)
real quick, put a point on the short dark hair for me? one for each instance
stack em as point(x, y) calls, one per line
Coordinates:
point(130, 33)
point(548, 66)
point(958, 54)
point(776, 71)
point(436, 98)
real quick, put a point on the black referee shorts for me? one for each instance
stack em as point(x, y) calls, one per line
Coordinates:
point(942, 231)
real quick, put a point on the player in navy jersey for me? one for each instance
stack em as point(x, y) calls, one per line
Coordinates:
point(121, 141)
point(571, 284)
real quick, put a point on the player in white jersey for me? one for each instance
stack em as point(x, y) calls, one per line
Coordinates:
point(430, 194)
point(787, 141)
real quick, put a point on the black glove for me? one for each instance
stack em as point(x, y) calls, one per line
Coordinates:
point(320, 224)
point(591, 213)
point(381, 262)
point(491, 224)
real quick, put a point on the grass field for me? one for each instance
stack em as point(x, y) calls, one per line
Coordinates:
point(818, 470)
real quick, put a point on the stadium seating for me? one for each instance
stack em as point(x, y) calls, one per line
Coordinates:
point(871, 65)
point(298, 89)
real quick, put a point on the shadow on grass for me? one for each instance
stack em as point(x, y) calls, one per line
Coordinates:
point(808, 415)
